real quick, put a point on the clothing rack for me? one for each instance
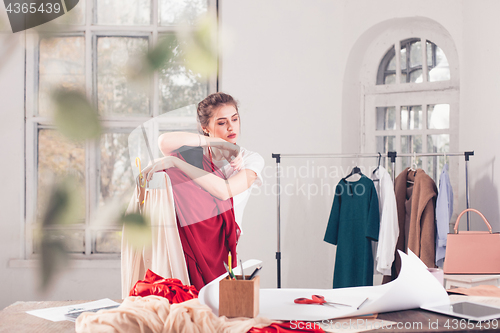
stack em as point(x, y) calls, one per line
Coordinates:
point(392, 155)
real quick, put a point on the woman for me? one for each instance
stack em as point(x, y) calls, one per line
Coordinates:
point(208, 226)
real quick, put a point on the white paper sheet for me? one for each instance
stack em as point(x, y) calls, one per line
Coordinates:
point(57, 314)
point(413, 288)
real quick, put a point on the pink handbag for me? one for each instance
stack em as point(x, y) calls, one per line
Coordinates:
point(472, 252)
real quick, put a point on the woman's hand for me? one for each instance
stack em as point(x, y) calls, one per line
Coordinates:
point(237, 163)
point(158, 165)
point(229, 150)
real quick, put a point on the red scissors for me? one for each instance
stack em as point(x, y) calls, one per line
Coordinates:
point(316, 299)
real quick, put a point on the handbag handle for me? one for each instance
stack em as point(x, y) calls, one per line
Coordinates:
point(472, 210)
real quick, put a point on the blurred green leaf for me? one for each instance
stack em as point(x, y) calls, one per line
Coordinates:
point(54, 259)
point(201, 47)
point(140, 69)
point(157, 57)
point(110, 213)
point(136, 230)
point(74, 115)
point(63, 205)
point(198, 52)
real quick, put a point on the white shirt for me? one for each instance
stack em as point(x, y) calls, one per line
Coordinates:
point(389, 227)
point(251, 161)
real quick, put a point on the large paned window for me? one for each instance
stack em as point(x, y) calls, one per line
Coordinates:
point(90, 50)
point(413, 105)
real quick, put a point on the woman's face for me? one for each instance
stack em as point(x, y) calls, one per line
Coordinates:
point(225, 124)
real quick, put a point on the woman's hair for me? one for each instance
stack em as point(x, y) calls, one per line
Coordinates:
point(212, 102)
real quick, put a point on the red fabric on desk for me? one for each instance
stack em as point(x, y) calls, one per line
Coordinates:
point(289, 327)
point(176, 292)
point(207, 228)
point(171, 289)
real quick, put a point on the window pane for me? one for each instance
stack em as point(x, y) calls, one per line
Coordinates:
point(390, 79)
point(384, 145)
point(115, 94)
point(61, 65)
point(442, 70)
point(76, 16)
point(403, 77)
point(416, 76)
point(430, 62)
point(411, 144)
point(392, 64)
point(108, 241)
point(58, 157)
point(136, 145)
point(173, 12)
point(403, 58)
point(415, 54)
point(411, 117)
point(74, 239)
point(178, 85)
point(183, 119)
point(386, 118)
point(123, 12)
point(437, 143)
point(438, 116)
point(115, 167)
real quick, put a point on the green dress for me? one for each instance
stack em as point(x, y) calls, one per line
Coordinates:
point(353, 224)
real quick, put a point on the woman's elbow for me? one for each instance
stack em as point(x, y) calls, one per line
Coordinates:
point(221, 194)
point(162, 144)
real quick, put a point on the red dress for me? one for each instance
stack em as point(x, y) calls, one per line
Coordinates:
point(207, 228)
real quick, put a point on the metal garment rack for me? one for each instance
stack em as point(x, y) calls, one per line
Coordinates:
point(392, 155)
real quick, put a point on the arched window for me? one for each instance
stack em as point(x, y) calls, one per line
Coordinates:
point(412, 104)
point(412, 60)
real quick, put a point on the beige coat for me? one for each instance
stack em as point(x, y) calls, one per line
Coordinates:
point(161, 250)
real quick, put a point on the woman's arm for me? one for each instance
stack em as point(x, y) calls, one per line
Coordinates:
point(171, 141)
point(214, 185)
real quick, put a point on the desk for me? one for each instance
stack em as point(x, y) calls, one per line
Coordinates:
point(15, 319)
point(472, 280)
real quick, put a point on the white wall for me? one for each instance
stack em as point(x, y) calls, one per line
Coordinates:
point(480, 111)
point(286, 63)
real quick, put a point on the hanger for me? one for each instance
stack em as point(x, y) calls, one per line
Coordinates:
point(413, 167)
point(378, 166)
point(355, 170)
point(142, 181)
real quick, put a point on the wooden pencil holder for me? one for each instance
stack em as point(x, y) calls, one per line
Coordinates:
point(239, 298)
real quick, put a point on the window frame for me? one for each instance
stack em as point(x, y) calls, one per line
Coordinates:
point(410, 93)
point(382, 71)
point(422, 98)
point(33, 122)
